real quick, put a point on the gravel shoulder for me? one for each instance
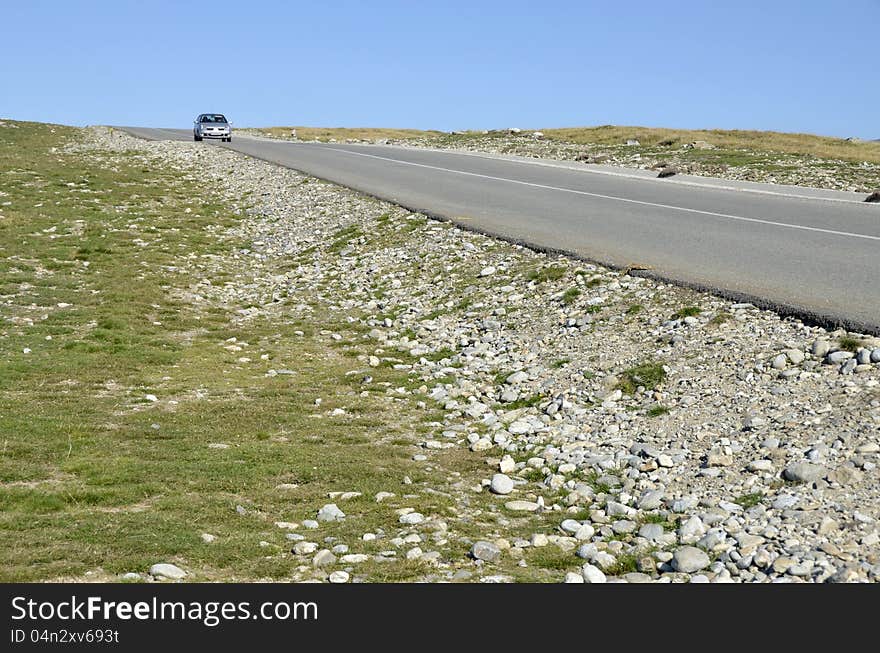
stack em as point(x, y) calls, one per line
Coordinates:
point(555, 420)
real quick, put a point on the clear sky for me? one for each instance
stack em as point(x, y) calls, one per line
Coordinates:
point(805, 66)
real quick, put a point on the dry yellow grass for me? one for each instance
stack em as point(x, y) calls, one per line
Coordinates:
point(342, 133)
point(820, 146)
point(823, 147)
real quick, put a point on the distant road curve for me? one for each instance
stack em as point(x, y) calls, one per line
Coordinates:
point(811, 253)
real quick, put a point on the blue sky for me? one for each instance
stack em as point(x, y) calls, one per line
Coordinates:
point(805, 66)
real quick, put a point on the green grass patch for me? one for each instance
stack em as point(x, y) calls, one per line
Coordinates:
point(440, 354)
point(749, 500)
point(552, 558)
point(626, 563)
point(549, 273)
point(592, 479)
point(720, 318)
point(524, 402)
point(342, 238)
point(687, 311)
point(649, 375)
point(657, 411)
point(570, 295)
point(848, 343)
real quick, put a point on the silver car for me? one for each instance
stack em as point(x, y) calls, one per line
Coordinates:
point(212, 125)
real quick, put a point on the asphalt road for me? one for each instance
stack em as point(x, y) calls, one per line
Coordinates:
point(811, 253)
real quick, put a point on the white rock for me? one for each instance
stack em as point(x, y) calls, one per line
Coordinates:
point(330, 512)
point(323, 558)
point(761, 466)
point(483, 444)
point(339, 577)
point(412, 518)
point(521, 506)
point(592, 574)
point(501, 484)
point(354, 558)
point(584, 533)
point(570, 526)
point(167, 570)
point(305, 548)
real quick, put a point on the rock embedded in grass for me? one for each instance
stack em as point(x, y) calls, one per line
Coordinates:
point(501, 484)
point(412, 518)
point(305, 548)
point(338, 577)
point(485, 551)
point(522, 506)
point(571, 526)
point(167, 570)
point(354, 558)
point(323, 558)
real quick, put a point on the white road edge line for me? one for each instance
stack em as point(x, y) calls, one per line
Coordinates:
point(677, 180)
point(612, 197)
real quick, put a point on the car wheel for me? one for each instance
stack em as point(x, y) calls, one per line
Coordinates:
point(196, 138)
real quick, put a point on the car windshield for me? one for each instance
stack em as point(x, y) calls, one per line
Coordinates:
point(213, 117)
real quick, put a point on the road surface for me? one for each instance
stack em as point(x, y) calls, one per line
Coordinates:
point(805, 252)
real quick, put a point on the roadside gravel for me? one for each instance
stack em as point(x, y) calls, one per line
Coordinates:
point(639, 430)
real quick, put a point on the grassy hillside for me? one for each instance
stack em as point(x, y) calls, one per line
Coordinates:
point(820, 146)
point(823, 147)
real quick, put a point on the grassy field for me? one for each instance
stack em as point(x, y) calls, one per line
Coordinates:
point(808, 144)
point(94, 473)
point(134, 417)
